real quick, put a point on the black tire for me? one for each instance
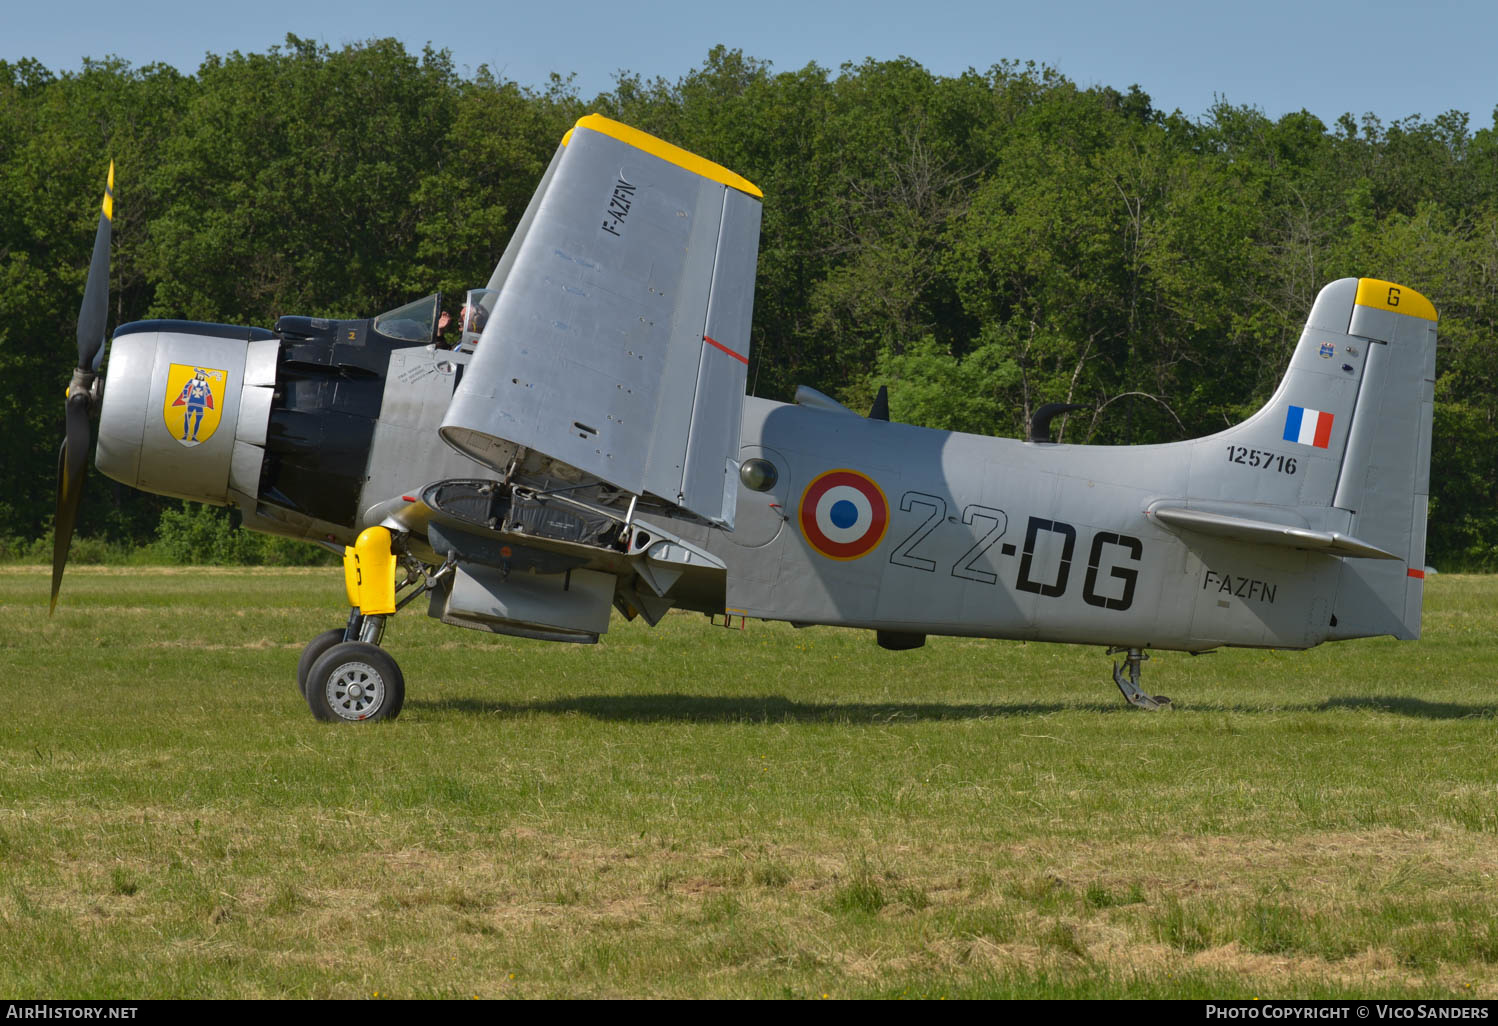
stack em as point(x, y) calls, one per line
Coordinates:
point(354, 682)
point(316, 647)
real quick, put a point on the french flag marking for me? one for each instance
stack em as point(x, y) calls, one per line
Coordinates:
point(1308, 427)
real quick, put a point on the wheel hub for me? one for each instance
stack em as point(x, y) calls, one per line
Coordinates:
point(355, 691)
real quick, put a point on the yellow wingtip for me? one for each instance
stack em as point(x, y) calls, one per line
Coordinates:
point(668, 152)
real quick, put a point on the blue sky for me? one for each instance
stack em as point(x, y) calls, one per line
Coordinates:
point(1393, 59)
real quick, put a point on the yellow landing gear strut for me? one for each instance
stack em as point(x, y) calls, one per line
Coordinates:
point(369, 573)
point(344, 674)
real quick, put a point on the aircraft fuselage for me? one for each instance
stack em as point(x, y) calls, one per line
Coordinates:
point(1238, 538)
point(1000, 538)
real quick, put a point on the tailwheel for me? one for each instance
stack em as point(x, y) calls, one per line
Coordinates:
point(1132, 693)
point(315, 648)
point(354, 681)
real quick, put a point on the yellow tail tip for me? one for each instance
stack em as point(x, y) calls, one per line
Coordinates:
point(1387, 295)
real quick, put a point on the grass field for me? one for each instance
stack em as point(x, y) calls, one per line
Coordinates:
point(698, 812)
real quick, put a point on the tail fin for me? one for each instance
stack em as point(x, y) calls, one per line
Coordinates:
point(1385, 478)
point(1345, 441)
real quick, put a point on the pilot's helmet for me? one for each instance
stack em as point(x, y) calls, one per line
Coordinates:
point(473, 316)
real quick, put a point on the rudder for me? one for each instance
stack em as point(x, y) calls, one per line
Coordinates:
point(1385, 478)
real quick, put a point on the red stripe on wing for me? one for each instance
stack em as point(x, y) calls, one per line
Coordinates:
point(719, 345)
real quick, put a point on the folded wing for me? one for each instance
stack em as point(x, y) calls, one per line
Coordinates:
point(618, 347)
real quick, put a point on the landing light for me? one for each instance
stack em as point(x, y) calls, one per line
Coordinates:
point(758, 475)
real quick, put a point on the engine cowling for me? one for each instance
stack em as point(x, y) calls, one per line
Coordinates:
point(186, 407)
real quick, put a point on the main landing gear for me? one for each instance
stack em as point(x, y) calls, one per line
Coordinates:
point(351, 681)
point(343, 674)
point(1132, 693)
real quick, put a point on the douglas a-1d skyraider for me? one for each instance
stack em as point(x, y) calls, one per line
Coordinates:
point(591, 448)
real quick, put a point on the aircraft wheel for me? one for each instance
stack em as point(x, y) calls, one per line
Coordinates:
point(316, 647)
point(354, 681)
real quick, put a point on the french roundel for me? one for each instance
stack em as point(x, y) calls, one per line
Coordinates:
point(843, 514)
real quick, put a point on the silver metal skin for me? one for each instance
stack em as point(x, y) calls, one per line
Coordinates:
point(571, 606)
point(964, 511)
point(594, 441)
point(1175, 546)
point(619, 344)
point(402, 457)
point(139, 448)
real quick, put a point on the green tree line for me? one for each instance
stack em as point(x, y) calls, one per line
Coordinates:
point(982, 244)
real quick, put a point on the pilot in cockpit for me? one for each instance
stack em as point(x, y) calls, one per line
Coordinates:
point(425, 321)
point(472, 317)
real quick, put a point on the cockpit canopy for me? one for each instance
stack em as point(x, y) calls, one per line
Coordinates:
point(417, 321)
point(414, 322)
point(476, 311)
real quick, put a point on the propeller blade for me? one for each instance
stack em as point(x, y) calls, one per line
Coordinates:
point(72, 458)
point(95, 309)
point(72, 466)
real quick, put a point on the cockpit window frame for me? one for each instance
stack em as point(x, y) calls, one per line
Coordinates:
point(400, 324)
point(478, 306)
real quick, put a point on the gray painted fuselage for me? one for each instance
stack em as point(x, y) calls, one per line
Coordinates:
point(999, 538)
point(994, 537)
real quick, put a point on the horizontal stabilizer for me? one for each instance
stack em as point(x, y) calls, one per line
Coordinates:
point(808, 396)
point(1264, 532)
